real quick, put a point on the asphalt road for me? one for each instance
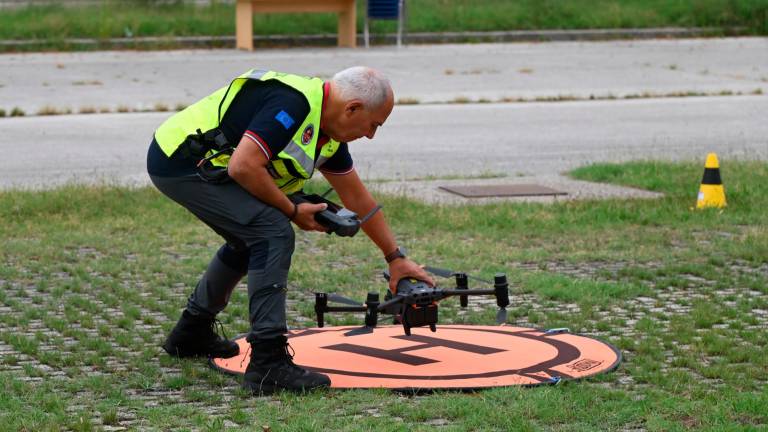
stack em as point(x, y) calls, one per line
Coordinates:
point(532, 139)
point(425, 73)
point(436, 137)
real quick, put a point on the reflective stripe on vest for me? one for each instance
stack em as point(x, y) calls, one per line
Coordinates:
point(295, 163)
point(328, 150)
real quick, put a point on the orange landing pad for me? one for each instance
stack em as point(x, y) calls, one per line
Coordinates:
point(454, 357)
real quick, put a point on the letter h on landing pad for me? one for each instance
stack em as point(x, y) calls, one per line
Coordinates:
point(399, 355)
point(385, 9)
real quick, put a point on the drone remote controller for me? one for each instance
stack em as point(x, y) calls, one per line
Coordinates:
point(336, 218)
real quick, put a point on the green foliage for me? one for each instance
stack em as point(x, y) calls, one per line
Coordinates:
point(571, 290)
point(109, 19)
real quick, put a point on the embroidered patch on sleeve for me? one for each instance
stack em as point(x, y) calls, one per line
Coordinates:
point(285, 119)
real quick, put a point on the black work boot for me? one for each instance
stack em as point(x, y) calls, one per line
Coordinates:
point(195, 336)
point(272, 368)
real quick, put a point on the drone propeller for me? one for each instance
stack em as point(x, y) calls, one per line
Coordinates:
point(359, 331)
point(371, 315)
point(365, 329)
point(450, 273)
point(344, 300)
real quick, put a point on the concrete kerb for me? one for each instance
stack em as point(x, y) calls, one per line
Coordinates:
point(329, 39)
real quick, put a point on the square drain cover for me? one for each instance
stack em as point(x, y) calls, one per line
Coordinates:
point(520, 190)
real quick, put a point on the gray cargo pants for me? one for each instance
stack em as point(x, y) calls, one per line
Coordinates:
point(259, 243)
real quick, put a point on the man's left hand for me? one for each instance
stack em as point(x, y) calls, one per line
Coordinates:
point(402, 268)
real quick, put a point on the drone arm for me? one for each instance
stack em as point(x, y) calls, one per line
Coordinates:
point(501, 291)
point(397, 299)
point(346, 309)
point(451, 293)
point(321, 307)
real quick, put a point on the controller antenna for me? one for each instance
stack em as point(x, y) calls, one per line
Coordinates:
point(370, 214)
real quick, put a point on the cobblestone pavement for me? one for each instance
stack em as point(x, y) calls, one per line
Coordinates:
point(56, 335)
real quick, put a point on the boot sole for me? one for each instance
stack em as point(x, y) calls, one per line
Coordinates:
point(176, 352)
point(258, 389)
point(268, 389)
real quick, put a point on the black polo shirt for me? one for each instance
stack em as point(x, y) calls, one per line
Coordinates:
point(266, 112)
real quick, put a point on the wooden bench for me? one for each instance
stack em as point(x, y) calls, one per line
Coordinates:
point(245, 9)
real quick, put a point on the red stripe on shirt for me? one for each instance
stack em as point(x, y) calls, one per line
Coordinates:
point(253, 136)
point(325, 171)
point(326, 93)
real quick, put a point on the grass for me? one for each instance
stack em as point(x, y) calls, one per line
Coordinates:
point(138, 18)
point(92, 278)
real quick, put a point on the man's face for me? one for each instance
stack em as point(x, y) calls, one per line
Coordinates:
point(357, 121)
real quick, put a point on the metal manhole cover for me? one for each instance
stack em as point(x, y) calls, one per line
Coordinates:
point(519, 190)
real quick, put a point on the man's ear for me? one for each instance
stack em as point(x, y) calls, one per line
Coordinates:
point(353, 106)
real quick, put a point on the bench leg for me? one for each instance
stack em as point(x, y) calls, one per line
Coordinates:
point(244, 25)
point(348, 26)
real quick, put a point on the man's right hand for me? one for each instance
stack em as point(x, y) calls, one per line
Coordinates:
point(247, 167)
point(305, 217)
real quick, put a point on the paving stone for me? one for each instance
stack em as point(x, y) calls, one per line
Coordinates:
point(664, 302)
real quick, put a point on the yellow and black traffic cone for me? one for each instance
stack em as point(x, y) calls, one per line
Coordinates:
point(711, 192)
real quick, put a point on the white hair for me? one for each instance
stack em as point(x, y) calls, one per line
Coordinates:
point(364, 83)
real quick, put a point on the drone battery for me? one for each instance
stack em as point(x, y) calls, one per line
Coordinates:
point(421, 315)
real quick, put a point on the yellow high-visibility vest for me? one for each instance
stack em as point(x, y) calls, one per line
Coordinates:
point(295, 163)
